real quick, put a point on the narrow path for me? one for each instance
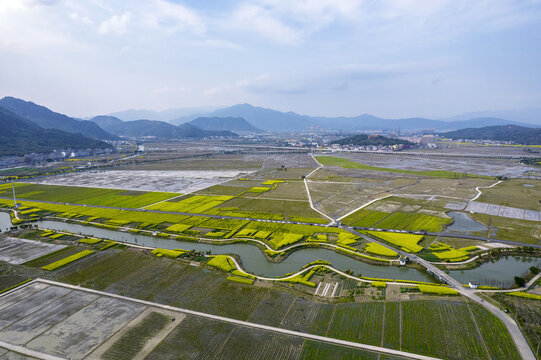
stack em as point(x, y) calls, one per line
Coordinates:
point(308, 191)
point(484, 187)
point(159, 202)
point(329, 340)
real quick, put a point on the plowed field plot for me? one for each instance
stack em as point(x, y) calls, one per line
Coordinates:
point(338, 198)
point(77, 323)
point(194, 338)
point(358, 322)
point(319, 351)
point(448, 329)
point(168, 181)
point(248, 344)
point(308, 316)
point(442, 328)
point(18, 251)
point(273, 308)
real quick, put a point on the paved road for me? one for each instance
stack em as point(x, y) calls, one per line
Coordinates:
point(518, 337)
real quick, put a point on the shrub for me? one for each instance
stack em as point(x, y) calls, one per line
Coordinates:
point(55, 265)
point(317, 262)
point(379, 284)
point(242, 280)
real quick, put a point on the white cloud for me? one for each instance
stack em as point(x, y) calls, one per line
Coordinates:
point(116, 24)
point(172, 17)
point(259, 20)
point(84, 19)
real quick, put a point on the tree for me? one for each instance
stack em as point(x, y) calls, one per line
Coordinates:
point(520, 281)
point(534, 270)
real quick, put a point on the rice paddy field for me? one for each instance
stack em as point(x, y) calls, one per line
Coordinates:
point(442, 328)
point(426, 320)
point(518, 193)
point(84, 195)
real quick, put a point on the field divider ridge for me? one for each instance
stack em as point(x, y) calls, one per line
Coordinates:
point(351, 344)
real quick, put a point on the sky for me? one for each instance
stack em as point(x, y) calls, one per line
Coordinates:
point(390, 58)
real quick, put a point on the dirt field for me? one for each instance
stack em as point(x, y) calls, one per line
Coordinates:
point(167, 181)
point(18, 251)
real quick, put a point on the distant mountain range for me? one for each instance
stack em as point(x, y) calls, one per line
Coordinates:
point(370, 140)
point(224, 123)
point(516, 134)
point(48, 119)
point(165, 115)
point(272, 120)
point(140, 128)
point(19, 136)
point(530, 116)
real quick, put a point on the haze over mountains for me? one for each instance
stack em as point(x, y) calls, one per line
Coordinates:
point(30, 119)
point(141, 128)
point(273, 120)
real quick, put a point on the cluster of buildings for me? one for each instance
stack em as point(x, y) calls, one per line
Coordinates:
point(55, 155)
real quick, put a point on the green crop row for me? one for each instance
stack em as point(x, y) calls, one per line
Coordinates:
point(90, 241)
point(413, 222)
point(525, 295)
point(108, 244)
point(87, 196)
point(169, 253)
point(438, 290)
point(222, 262)
point(57, 264)
point(194, 204)
point(375, 248)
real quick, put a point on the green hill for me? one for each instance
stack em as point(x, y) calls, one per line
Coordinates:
point(160, 129)
point(516, 134)
point(19, 136)
point(367, 140)
point(47, 119)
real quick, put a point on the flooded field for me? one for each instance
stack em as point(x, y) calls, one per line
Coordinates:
point(167, 181)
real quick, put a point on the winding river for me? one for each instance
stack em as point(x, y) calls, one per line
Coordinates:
point(497, 273)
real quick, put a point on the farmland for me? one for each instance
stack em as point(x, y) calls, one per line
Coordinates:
point(84, 195)
point(380, 323)
point(425, 319)
point(350, 164)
